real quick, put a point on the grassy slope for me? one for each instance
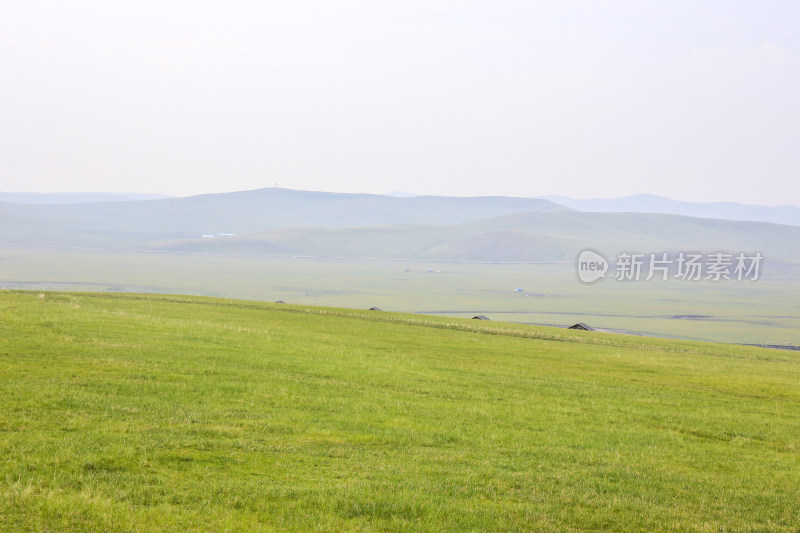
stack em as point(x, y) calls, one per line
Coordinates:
point(153, 413)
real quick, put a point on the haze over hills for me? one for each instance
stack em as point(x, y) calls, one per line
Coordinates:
point(287, 222)
point(639, 203)
point(260, 209)
point(649, 203)
point(75, 197)
point(132, 223)
point(533, 236)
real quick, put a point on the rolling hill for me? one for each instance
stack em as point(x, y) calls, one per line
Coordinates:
point(536, 236)
point(649, 203)
point(286, 222)
point(243, 212)
point(174, 413)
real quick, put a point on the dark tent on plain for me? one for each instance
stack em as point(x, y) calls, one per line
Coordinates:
point(374, 309)
point(581, 325)
point(480, 317)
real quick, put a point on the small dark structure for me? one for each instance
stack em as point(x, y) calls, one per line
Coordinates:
point(581, 325)
point(480, 317)
point(279, 302)
point(374, 309)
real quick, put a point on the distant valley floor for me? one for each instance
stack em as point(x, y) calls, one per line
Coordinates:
point(759, 313)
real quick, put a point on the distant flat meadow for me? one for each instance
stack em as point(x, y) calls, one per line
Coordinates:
point(746, 312)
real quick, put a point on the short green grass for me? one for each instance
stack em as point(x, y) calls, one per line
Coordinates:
point(167, 413)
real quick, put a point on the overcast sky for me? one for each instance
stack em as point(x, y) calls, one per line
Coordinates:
point(695, 100)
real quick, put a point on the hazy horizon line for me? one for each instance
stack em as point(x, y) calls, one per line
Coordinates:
point(395, 194)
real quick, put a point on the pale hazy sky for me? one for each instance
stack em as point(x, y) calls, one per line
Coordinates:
point(696, 100)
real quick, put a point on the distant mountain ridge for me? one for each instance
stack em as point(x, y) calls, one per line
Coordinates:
point(247, 212)
point(288, 222)
point(639, 203)
point(649, 203)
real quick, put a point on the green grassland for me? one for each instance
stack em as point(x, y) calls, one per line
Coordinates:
point(431, 255)
point(138, 412)
point(761, 312)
